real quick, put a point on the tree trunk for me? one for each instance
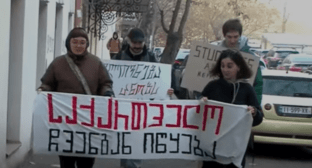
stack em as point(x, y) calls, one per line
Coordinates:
point(153, 35)
point(147, 23)
point(144, 26)
point(172, 47)
point(174, 39)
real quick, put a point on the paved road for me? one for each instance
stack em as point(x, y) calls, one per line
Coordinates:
point(279, 156)
point(264, 156)
point(52, 162)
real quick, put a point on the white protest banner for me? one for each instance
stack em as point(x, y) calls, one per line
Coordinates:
point(139, 80)
point(95, 126)
point(202, 58)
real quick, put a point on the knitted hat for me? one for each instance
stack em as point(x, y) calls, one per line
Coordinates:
point(76, 32)
point(136, 35)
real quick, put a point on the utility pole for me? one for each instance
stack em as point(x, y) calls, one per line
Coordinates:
point(285, 18)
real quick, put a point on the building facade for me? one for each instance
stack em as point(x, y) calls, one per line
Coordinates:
point(33, 33)
point(85, 18)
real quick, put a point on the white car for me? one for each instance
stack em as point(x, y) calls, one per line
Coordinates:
point(287, 109)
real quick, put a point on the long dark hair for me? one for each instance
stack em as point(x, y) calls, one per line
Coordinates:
point(237, 58)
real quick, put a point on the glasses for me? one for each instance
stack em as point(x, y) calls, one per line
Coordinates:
point(76, 43)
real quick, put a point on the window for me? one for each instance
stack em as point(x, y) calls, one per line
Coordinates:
point(286, 86)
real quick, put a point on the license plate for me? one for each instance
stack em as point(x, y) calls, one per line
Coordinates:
point(295, 110)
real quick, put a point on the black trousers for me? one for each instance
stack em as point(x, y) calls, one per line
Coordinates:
point(81, 162)
point(213, 164)
point(112, 55)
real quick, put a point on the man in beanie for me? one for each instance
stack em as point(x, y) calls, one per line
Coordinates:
point(60, 77)
point(136, 50)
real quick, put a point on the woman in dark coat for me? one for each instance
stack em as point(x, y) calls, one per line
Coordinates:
point(231, 87)
point(59, 77)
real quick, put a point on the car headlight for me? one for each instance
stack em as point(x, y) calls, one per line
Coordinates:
point(267, 106)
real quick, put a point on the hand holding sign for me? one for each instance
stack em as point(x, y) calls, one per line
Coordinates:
point(204, 99)
point(139, 80)
point(202, 59)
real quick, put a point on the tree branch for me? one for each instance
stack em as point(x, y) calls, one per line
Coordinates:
point(163, 21)
point(185, 15)
point(174, 16)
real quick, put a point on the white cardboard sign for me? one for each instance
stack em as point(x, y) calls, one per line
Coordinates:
point(139, 80)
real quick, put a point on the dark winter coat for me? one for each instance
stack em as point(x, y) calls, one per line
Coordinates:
point(60, 78)
point(258, 83)
point(223, 91)
point(127, 55)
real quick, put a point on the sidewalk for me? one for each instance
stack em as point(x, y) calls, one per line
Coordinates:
point(45, 161)
point(52, 161)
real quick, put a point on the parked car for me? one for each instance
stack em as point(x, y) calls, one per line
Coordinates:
point(296, 62)
point(216, 42)
point(263, 64)
point(158, 52)
point(309, 70)
point(287, 109)
point(307, 50)
point(179, 72)
point(181, 56)
point(260, 52)
point(279, 55)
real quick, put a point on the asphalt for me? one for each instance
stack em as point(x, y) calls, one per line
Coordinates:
point(45, 161)
point(52, 161)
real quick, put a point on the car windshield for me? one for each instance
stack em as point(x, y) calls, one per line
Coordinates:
point(286, 86)
point(182, 54)
point(284, 54)
point(306, 59)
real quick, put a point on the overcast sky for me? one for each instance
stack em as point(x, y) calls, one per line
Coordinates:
point(299, 10)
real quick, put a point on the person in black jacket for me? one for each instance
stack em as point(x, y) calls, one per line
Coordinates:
point(232, 87)
point(136, 50)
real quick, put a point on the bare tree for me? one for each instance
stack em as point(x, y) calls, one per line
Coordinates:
point(174, 37)
point(208, 16)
